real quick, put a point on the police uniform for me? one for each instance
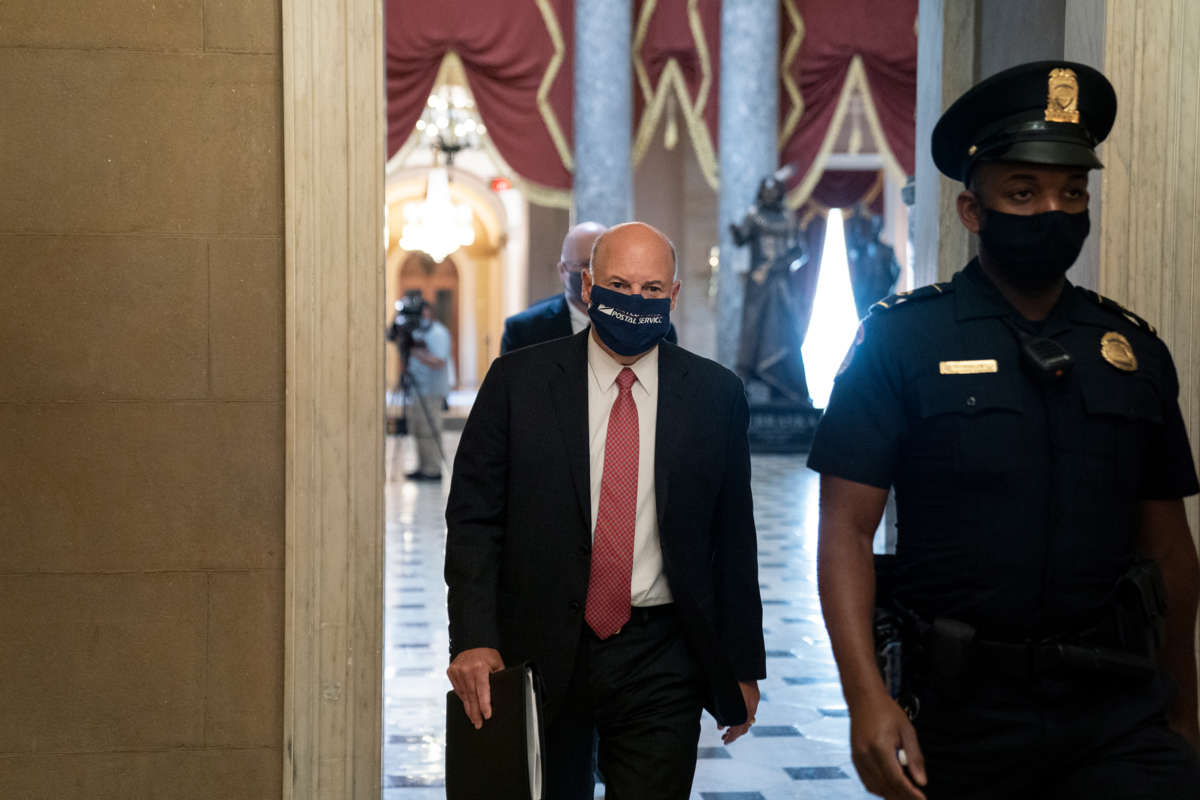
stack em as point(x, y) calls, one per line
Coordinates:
point(1017, 491)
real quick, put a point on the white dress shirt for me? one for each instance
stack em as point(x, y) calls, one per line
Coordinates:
point(649, 585)
point(579, 319)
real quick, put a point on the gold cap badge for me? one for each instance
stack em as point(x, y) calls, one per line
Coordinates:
point(1062, 101)
point(1116, 350)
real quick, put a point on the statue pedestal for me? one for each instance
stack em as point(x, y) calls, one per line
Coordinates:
point(782, 427)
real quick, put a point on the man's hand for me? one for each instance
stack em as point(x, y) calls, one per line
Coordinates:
point(878, 732)
point(750, 696)
point(469, 672)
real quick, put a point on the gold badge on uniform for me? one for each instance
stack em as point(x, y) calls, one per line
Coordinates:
point(1116, 350)
point(978, 366)
point(1062, 101)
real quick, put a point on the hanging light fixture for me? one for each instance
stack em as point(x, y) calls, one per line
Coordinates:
point(437, 225)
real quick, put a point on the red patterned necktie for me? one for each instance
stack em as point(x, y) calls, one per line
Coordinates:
point(607, 607)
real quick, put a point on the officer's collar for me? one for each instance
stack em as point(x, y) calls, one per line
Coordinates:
point(976, 297)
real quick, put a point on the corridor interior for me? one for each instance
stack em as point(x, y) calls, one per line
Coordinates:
point(797, 749)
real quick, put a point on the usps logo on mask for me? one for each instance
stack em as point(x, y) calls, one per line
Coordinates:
point(631, 318)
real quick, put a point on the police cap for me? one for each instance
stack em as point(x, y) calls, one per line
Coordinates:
point(1043, 112)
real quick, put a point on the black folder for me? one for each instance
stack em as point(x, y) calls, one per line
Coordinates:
point(504, 759)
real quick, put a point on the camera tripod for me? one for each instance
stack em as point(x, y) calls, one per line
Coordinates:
point(407, 387)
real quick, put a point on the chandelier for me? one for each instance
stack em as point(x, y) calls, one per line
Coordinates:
point(437, 225)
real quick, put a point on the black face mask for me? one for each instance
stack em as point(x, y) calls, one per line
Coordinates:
point(1032, 251)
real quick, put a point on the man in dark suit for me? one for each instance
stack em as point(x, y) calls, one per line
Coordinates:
point(600, 525)
point(565, 313)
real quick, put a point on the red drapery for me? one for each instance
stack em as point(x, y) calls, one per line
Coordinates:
point(519, 61)
point(829, 49)
point(676, 62)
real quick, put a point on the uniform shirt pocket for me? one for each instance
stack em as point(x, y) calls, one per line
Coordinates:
point(1120, 414)
point(971, 419)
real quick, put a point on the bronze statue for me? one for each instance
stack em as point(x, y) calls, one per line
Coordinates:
point(769, 346)
point(873, 267)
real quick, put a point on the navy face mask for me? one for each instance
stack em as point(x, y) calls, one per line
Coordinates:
point(1033, 250)
point(629, 324)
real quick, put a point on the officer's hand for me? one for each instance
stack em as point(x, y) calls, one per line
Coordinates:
point(469, 673)
point(878, 731)
point(750, 696)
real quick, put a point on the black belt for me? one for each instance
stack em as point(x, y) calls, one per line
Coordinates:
point(644, 615)
point(1030, 660)
point(641, 616)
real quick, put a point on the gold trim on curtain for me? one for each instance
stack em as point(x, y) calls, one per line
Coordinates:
point(670, 80)
point(543, 92)
point(856, 78)
point(790, 51)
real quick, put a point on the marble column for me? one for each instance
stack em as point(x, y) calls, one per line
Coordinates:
point(603, 185)
point(749, 150)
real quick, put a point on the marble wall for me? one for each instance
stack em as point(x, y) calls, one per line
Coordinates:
point(141, 411)
point(1150, 228)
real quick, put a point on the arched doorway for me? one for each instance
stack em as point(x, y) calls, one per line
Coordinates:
point(485, 272)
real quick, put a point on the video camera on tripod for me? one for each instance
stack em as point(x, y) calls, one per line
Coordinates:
point(406, 325)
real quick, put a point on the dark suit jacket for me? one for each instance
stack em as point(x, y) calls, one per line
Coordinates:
point(519, 541)
point(544, 320)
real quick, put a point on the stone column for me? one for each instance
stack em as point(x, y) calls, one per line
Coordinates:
point(749, 150)
point(947, 56)
point(1149, 225)
point(603, 185)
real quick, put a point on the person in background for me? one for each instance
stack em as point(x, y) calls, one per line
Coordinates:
point(428, 384)
point(565, 313)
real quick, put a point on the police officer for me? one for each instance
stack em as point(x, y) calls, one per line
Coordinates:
point(1032, 432)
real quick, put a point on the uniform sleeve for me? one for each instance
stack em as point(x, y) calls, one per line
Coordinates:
point(1170, 470)
point(860, 433)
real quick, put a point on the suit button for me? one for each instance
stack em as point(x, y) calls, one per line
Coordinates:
point(574, 605)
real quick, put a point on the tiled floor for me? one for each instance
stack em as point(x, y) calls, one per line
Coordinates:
point(798, 748)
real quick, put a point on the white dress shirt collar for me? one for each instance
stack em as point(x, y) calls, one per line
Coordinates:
point(605, 368)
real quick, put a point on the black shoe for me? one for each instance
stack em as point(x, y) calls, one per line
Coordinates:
point(421, 476)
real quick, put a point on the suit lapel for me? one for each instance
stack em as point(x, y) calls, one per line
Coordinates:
point(673, 389)
point(568, 389)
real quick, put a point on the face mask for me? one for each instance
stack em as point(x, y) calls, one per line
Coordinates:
point(1033, 251)
point(629, 324)
point(574, 284)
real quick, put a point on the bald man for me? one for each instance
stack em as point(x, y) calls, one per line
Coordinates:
point(565, 313)
point(600, 525)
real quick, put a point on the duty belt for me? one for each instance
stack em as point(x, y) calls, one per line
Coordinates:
point(1030, 660)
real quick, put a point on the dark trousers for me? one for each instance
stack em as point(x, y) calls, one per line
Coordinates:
point(641, 691)
point(1056, 739)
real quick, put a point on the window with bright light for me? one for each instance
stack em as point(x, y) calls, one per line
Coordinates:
point(834, 318)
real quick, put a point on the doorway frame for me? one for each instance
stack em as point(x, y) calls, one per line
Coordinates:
point(334, 114)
